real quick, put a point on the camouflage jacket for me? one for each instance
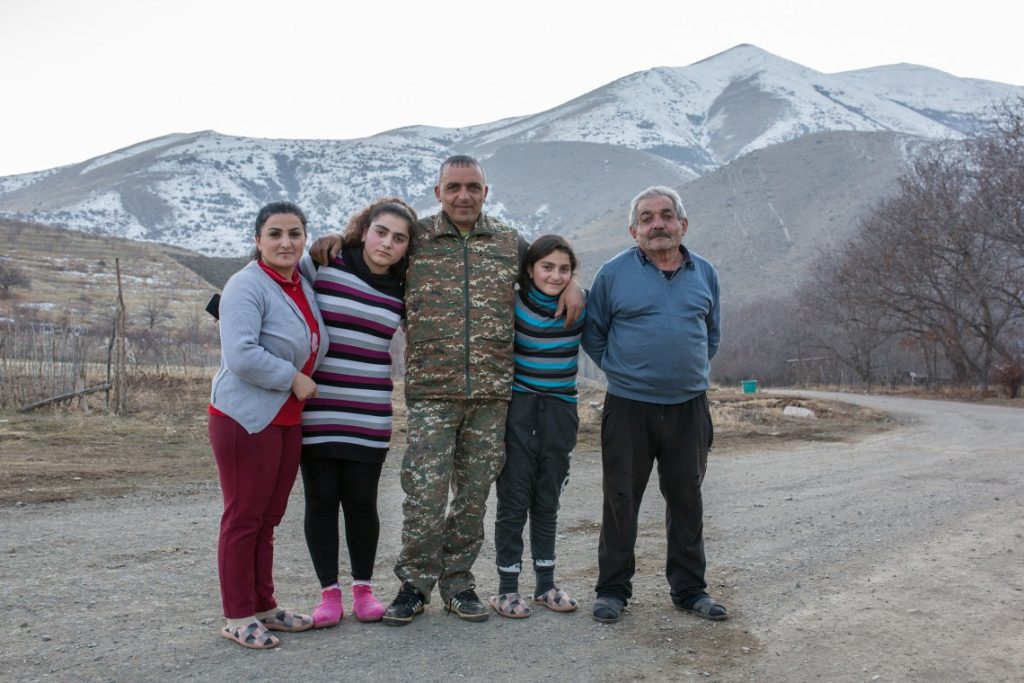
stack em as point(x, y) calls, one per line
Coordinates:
point(460, 299)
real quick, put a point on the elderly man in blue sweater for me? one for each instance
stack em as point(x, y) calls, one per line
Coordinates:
point(653, 325)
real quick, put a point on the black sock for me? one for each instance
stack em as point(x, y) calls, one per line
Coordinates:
point(545, 579)
point(508, 582)
point(689, 602)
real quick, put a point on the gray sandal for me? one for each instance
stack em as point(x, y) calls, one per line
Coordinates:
point(707, 607)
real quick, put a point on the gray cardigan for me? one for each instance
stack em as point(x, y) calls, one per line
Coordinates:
point(264, 341)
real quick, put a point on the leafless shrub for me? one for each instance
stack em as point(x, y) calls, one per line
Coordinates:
point(154, 313)
point(1010, 376)
point(11, 276)
point(759, 338)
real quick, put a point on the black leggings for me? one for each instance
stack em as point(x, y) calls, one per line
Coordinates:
point(328, 483)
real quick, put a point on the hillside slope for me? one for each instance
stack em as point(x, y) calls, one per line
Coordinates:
point(764, 217)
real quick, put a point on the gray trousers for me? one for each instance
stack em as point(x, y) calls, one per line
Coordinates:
point(539, 437)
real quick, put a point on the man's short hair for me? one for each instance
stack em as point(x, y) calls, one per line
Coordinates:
point(460, 161)
point(656, 191)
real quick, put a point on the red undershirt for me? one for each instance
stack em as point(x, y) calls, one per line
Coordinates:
point(290, 414)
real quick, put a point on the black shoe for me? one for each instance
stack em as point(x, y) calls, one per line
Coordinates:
point(406, 605)
point(467, 605)
point(608, 609)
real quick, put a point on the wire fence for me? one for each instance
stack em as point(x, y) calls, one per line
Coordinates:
point(39, 361)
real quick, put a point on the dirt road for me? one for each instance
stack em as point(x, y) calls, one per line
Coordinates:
point(896, 558)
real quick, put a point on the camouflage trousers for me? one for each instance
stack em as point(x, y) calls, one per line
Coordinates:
point(457, 446)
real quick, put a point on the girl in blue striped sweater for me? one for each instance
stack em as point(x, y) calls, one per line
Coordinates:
point(541, 429)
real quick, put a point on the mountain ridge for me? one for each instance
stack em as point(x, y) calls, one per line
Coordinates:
point(550, 171)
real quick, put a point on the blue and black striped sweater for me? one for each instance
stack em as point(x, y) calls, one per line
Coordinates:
point(545, 350)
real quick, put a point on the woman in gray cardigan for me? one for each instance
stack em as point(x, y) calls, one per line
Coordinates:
point(270, 337)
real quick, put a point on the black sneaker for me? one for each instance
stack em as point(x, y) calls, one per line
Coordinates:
point(467, 605)
point(406, 605)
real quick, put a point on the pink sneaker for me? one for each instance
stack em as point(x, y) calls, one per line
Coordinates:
point(366, 607)
point(330, 610)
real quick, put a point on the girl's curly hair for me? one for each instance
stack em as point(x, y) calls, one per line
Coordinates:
point(360, 222)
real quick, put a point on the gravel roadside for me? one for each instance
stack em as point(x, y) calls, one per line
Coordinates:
point(897, 557)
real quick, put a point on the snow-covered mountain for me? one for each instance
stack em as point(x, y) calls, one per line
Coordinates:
point(549, 171)
point(202, 190)
point(707, 114)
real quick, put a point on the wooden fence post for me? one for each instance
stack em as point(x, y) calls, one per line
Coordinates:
point(110, 353)
point(120, 380)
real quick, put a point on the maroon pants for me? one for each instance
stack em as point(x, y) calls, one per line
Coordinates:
point(256, 476)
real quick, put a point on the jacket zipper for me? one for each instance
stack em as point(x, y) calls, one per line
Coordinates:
point(465, 291)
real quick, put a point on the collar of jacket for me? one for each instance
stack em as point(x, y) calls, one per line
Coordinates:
point(278, 284)
point(444, 226)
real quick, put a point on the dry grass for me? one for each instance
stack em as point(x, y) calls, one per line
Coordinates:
point(61, 454)
point(744, 421)
point(56, 331)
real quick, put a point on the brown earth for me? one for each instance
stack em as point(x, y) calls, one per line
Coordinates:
point(60, 454)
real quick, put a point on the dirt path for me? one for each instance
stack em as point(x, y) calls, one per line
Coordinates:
point(897, 558)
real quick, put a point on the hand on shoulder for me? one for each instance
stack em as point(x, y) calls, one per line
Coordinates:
point(325, 249)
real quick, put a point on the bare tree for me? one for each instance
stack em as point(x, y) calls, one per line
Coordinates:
point(761, 336)
point(839, 320)
point(937, 263)
point(11, 276)
point(998, 172)
point(154, 312)
point(998, 210)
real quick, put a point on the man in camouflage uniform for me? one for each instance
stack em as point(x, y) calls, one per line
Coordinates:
point(458, 374)
point(460, 300)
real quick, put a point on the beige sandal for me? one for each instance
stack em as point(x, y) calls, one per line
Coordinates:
point(255, 636)
point(558, 600)
point(510, 605)
point(288, 620)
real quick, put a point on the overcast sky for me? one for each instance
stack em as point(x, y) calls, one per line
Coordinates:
point(81, 78)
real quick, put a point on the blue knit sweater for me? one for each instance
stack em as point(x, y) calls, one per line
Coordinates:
point(653, 336)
